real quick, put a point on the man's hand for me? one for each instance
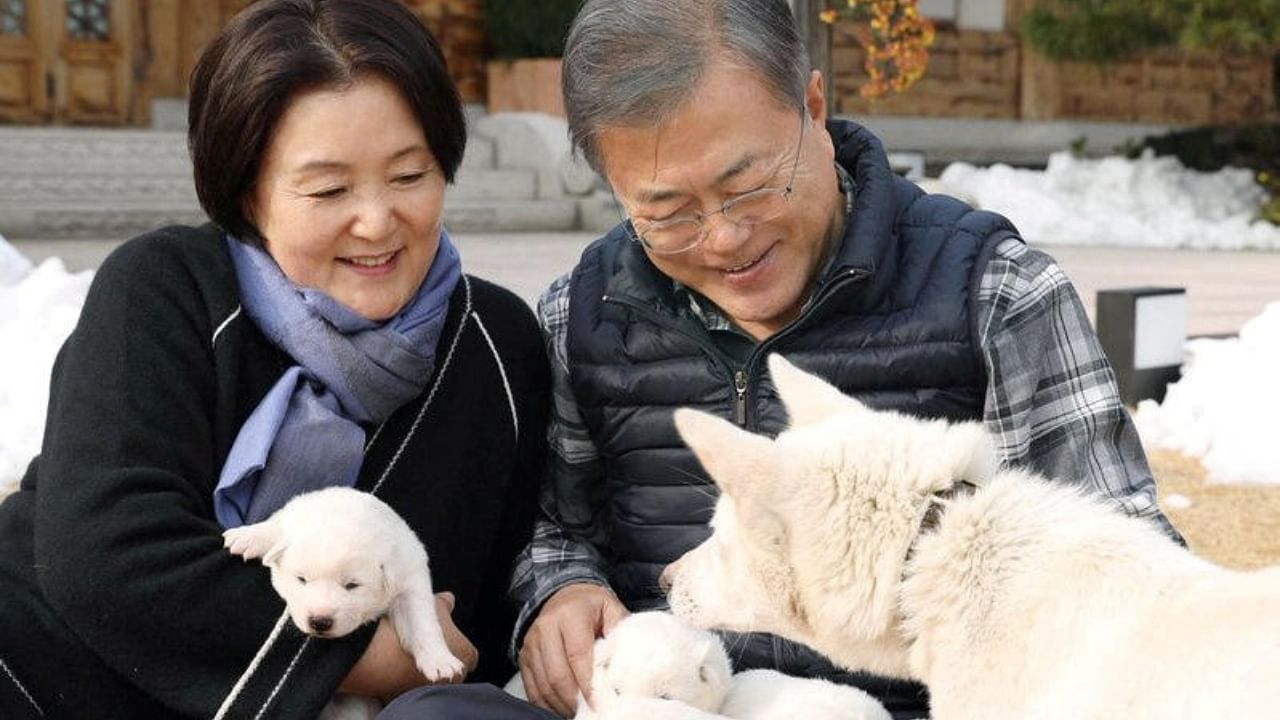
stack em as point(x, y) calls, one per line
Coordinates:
point(555, 660)
point(386, 670)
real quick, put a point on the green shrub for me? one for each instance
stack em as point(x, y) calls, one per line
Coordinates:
point(1210, 148)
point(529, 28)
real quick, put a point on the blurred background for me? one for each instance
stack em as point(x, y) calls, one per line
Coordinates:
point(1137, 141)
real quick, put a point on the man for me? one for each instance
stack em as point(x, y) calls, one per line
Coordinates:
point(757, 225)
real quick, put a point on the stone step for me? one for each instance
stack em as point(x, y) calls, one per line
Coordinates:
point(122, 218)
point(487, 184)
point(511, 216)
point(95, 183)
point(119, 219)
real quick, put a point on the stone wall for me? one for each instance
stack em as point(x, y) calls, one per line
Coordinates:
point(991, 74)
point(971, 73)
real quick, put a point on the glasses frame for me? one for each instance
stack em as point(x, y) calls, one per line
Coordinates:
point(700, 218)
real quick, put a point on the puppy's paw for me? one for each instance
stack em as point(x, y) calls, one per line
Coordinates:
point(250, 541)
point(440, 665)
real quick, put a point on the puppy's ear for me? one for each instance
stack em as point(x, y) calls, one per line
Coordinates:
point(738, 461)
point(808, 398)
point(272, 558)
point(252, 541)
point(384, 579)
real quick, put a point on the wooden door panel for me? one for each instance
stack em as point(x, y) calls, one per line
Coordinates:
point(93, 58)
point(23, 65)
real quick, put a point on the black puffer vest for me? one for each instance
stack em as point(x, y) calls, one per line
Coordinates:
point(890, 323)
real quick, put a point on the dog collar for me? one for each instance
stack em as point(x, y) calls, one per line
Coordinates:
point(937, 504)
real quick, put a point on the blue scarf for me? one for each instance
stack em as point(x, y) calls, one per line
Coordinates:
point(307, 432)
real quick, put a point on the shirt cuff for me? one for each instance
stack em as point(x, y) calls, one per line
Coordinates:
point(546, 588)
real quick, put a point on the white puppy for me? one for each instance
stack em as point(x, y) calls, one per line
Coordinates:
point(341, 558)
point(899, 546)
point(653, 655)
point(652, 666)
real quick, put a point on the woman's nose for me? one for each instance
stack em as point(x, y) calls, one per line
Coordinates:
point(375, 218)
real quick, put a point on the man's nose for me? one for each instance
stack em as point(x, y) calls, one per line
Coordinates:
point(723, 234)
point(320, 623)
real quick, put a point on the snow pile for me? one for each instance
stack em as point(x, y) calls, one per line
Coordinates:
point(38, 309)
point(1148, 202)
point(1223, 409)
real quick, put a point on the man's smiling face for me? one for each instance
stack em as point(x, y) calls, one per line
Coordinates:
point(731, 137)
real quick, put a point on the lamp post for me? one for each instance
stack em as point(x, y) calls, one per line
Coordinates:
point(1143, 332)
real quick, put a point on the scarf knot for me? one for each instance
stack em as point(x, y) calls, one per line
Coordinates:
point(352, 373)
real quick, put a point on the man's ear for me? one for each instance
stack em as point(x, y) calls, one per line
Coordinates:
point(738, 461)
point(808, 398)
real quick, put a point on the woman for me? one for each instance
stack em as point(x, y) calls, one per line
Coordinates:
point(319, 331)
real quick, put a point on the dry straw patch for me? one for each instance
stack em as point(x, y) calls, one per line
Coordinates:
point(1235, 525)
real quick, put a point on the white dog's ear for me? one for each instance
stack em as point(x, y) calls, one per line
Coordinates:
point(972, 452)
point(252, 541)
point(272, 558)
point(737, 460)
point(384, 578)
point(807, 397)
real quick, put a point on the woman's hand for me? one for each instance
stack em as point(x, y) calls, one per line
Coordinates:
point(458, 643)
point(386, 670)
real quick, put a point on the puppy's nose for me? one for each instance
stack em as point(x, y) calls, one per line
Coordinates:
point(664, 580)
point(320, 623)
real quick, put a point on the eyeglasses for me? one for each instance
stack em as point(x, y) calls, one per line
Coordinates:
point(682, 234)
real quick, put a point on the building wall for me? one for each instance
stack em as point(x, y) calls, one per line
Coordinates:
point(146, 49)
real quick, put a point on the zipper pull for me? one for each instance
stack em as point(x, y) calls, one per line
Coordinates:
point(740, 407)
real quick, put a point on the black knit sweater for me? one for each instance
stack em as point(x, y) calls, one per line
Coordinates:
point(117, 599)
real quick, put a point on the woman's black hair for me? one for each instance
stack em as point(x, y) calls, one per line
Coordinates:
point(274, 49)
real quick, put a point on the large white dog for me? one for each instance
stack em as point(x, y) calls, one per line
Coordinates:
point(855, 533)
point(341, 558)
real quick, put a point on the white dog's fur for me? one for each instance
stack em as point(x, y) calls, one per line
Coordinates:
point(341, 558)
point(1028, 600)
point(653, 666)
point(771, 695)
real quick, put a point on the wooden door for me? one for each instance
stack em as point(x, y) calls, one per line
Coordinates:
point(24, 92)
point(66, 61)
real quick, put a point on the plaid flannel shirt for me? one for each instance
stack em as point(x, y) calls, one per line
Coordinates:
point(1051, 404)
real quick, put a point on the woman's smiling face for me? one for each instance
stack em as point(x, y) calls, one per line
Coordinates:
point(349, 196)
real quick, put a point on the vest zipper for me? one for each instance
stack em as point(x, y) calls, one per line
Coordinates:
point(742, 377)
point(763, 348)
point(740, 406)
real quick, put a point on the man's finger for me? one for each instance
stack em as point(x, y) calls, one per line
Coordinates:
point(558, 675)
point(530, 674)
point(579, 644)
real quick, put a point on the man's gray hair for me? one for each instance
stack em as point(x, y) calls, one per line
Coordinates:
point(635, 63)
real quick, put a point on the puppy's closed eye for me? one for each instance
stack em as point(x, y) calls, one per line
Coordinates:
point(302, 580)
point(351, 586)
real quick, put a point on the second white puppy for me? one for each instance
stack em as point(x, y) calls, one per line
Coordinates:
point(652, 666)
point(341, 558)
point(654, 655)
